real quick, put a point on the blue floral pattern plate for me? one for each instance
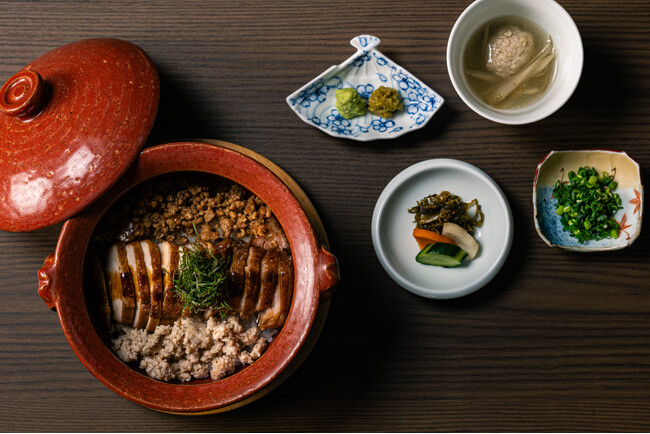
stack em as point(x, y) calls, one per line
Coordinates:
point(365, 71)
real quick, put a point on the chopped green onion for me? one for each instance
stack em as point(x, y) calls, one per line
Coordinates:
point(586, 204)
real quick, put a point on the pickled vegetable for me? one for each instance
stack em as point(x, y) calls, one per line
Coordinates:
point(442, 255)
point(433, 211)
point(384, 101)
point(461, 238)
point(425, 237)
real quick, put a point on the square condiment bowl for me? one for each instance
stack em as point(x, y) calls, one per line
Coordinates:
point(556, 167)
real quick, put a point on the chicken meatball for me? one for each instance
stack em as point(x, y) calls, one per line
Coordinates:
point(509, 50)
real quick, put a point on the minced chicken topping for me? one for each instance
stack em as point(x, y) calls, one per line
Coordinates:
point(169, 210)
point(190, 348)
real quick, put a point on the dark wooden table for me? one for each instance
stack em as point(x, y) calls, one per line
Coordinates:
point(557, 341)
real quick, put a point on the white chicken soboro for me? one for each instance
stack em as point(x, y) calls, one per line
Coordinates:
point(190, 348)
point(509, 50)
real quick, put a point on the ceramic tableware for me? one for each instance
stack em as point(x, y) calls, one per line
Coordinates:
point(556, 167)
point(64, 282)
point(392, 228)
point(549, 15)
point(71, 127)
point(365, 70)
point(71, 123)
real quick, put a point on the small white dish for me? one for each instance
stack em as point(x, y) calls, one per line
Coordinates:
point(549, 15)
point(392, 228)
point(556, 167)
point(365, 71)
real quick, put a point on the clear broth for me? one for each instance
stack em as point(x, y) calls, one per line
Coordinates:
point(475, 59)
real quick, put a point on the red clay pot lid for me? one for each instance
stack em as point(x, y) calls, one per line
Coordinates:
point(71, 123)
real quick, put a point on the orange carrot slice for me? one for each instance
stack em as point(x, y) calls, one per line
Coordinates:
point(425, 237)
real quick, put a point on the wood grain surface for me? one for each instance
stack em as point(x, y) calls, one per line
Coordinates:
point(557, 341)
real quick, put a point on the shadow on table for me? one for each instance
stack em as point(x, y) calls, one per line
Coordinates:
point(180, 115)
point(604, 100)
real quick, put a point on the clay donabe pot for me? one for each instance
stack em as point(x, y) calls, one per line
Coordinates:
point(72, 125)
point(65, 280)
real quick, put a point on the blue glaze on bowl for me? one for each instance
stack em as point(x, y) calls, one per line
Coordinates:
point(550, 223)
point(365, 71)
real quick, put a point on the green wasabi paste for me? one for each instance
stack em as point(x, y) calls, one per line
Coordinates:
point(349, 103)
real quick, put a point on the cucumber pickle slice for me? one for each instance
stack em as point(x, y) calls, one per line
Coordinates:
point(442, 255)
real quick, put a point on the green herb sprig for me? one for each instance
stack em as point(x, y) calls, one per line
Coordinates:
point(202, 280)
point(587, 205)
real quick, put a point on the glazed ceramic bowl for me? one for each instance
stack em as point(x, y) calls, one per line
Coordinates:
point(366, 70)
point(556, 167)
point(549, 15)
point(64, 275)
point(392, 228)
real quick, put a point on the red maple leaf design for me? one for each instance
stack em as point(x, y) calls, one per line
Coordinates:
point(624, 226)
point(636, 201)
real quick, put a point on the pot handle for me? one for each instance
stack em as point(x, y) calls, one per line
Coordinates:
point(328, 273)
point(47, 282)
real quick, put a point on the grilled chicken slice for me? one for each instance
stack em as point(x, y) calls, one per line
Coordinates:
point(101, 294)
point(277, 234)
point(237, 271)
point(153, 265)
point(251, 282)
point(238, 265)
point(135, 258)
point(220, 249)
point(172, 306)
point(140, 281)
point(120, 284)
point(268, 279)
point(275, 316)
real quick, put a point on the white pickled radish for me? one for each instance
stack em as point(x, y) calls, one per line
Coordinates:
point(461, 238)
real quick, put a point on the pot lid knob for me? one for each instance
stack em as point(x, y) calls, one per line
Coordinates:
point(23, 95)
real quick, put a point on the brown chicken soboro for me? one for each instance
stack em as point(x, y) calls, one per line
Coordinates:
point(169, 210)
